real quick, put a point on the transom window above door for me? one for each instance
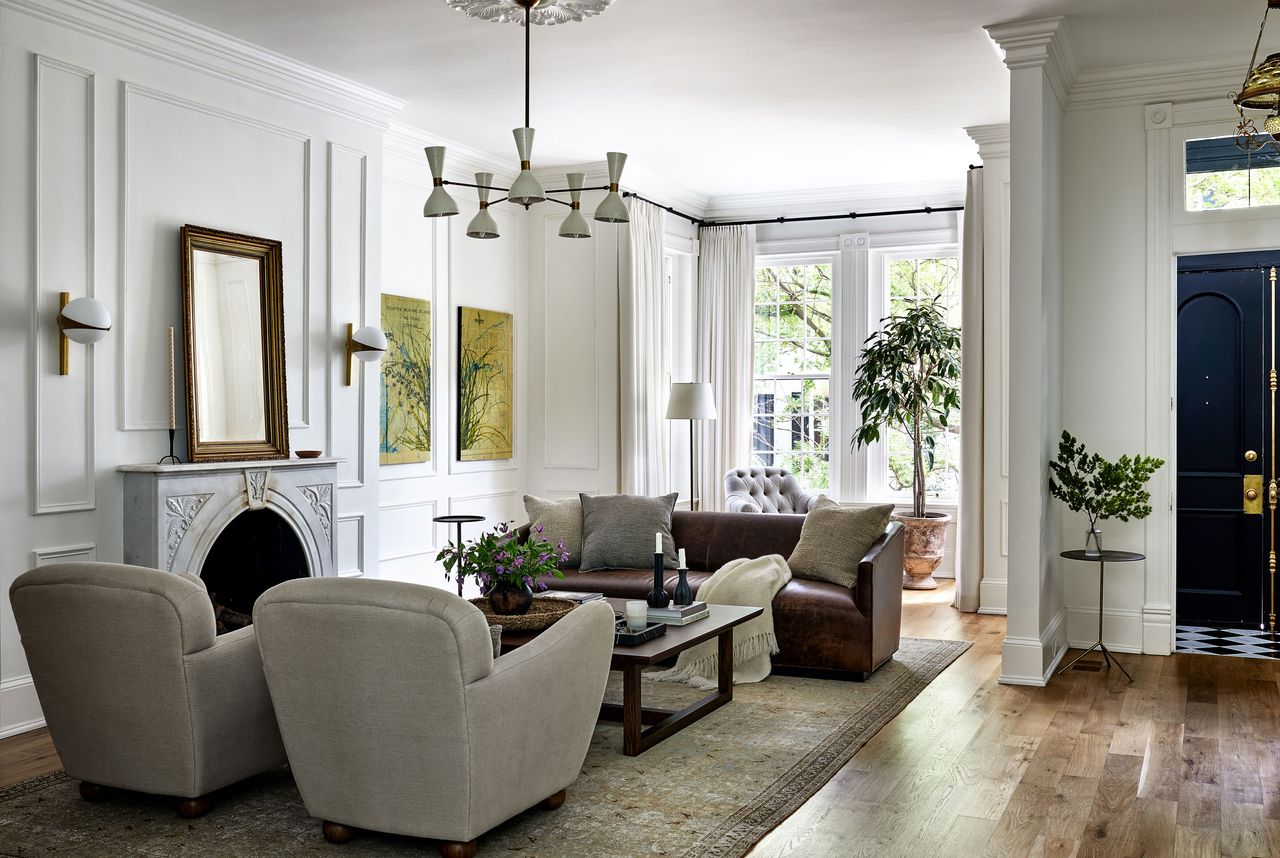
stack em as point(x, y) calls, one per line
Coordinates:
point(1221, 176)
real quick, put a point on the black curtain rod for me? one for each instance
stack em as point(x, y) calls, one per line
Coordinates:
point(699, 222)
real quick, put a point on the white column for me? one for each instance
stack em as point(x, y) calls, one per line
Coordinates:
point(1039, 57)
point(993, 149)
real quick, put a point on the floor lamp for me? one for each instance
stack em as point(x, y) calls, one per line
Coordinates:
point(691, 400)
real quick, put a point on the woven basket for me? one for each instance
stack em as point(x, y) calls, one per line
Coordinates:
point(541, 614)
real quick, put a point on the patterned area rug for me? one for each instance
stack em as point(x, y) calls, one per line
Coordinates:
point(711, 791)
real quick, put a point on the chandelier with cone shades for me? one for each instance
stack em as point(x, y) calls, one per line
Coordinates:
point(527, 190)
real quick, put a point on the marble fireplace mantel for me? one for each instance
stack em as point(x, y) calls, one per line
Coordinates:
point(174, 513)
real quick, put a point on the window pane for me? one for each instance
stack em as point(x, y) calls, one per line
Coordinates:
point(1219, 175)
point(766, 321)
point(767, 357)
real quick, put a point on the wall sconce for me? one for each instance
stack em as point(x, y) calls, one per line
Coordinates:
point(365, 345)
point(85, 320)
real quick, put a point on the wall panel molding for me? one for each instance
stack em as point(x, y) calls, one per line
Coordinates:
point(358, 518)
point(82, 552)
point(62, 206)
point(337, 153)
point(133, 418)
point(429, 509)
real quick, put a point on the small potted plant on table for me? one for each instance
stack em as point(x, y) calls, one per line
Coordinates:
point(909, 378)
point(507, 570)
point(1089, 484)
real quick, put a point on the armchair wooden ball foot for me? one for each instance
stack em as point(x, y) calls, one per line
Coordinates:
point(552, 802)
point(453, 849)
point(337, 833)
point(194, 808)
point(92, 792)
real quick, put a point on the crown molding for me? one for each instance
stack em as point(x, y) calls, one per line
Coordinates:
point(992, 140)
point(1041, 43)
point(460, 160)
point(825, 201)
point(156, 33)
point(1136, 85)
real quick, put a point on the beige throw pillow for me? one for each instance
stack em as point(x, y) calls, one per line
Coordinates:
point(834, 539)
point(559, 520)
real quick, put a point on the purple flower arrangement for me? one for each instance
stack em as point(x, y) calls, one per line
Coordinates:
point(499, 558)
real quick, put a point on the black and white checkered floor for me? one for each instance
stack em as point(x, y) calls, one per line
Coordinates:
point(1246, 643)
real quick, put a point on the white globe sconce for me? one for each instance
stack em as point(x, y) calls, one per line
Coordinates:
point(365, 345)
point(82, 320)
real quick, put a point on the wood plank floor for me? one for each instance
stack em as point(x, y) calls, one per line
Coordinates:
point(1185, 761)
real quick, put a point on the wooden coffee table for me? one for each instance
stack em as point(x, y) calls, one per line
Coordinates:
point(642, 727)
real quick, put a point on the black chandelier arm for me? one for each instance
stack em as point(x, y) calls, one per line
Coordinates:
point(569, 190)
point(472, 185)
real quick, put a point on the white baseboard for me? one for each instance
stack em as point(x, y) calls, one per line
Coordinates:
point(993, 596)
point(1157, 630)
point(20, 707)
point(1032, 661)
point(1121, 629)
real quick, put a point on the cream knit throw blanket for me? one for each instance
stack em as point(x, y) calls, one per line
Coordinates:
point(750, 582)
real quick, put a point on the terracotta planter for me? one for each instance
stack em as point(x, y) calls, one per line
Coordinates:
point(509, 600)
point(923, 542)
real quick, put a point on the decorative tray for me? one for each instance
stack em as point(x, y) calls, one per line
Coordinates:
point(622, 636)
point(542, 614)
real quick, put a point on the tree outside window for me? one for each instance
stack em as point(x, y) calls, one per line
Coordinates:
point(912, 280)
point(791, 413)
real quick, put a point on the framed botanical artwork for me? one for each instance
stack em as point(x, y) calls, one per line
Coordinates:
point(405, 411)
point(485, 409)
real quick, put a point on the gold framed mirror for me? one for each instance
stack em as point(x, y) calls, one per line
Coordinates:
point(233, 304)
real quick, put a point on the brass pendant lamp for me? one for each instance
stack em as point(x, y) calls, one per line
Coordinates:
point(1260, 91)
point(527, 190)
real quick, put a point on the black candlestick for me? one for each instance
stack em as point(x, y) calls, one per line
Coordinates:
point(683, 595)
point(170, 459)
point(658, 597)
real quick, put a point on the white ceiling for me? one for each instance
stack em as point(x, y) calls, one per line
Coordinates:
point(723, 97)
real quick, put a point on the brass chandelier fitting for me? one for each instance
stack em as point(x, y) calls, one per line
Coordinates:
point(527, 190)
point(1260, 91)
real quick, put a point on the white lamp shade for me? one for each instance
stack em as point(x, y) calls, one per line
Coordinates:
point(691, 400)
point(482, 225)
point(575, 226)
point(84, 320)
point(526, 189)
point(368, 344)
point(611, 208)
point(439, 204)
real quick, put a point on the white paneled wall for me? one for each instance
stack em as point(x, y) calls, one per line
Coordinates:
point(433, 259)
point(140, 123)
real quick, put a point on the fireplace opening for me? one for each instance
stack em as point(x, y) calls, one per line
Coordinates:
point(255, 551)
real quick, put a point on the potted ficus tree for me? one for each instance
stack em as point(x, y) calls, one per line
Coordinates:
point(909, 378)
point(1089, 484)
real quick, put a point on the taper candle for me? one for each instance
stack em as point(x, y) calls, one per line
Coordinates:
point(657, 543)
point(682, 566)
point(173, 404)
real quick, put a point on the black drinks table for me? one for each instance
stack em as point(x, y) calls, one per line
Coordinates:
point(1102, 558)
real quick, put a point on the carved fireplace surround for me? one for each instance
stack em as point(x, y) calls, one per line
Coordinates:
point(174, 513)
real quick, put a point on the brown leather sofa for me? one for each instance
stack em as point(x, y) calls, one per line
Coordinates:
point(823, 629)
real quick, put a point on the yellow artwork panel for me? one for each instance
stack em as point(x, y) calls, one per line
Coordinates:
point(485, 385)
point(405, 412)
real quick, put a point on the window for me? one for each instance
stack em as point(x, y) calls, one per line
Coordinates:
point(1220, 176)
point(791, 413)
point(911, 279)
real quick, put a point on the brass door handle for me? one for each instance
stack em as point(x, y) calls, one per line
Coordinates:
point(1250, 455)
point(1251, 495)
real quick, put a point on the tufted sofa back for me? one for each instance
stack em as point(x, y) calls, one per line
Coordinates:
point(766, 489)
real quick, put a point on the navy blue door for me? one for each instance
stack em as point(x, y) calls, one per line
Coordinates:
point(1223, 438)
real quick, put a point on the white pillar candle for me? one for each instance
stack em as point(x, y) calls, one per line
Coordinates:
point(682, 566)
point(173, 405)
point(637, 613)
point(657, 543)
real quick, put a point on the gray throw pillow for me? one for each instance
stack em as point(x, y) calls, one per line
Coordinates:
point(617, 531)
point(834, 539)
point(559, 520)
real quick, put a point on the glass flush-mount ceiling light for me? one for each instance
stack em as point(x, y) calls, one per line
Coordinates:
point(526, 190)
point(1260, 91)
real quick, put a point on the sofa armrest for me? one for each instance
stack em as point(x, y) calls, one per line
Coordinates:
point(878, 592)
point(806, 500)
point(738, 503)
point(233, 722)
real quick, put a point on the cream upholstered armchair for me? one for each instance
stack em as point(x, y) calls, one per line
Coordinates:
point(766, 489)
point(138, 691)
point(398, 718)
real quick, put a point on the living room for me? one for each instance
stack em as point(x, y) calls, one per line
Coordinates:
point(697, 297)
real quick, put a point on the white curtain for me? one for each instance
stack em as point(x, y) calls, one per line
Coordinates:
point(645, 351)
point(726, 284)
point(970, 548)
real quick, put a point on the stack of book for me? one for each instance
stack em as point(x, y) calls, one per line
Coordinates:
point(679, 615)
point(572, 595)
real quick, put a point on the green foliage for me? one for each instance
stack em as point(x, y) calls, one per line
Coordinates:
point(1089, 484)
point(909, 378)
point(481, 367)
point(499, 557)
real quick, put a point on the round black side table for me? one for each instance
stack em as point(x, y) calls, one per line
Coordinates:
point(458, 520)
point(1102, 559)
